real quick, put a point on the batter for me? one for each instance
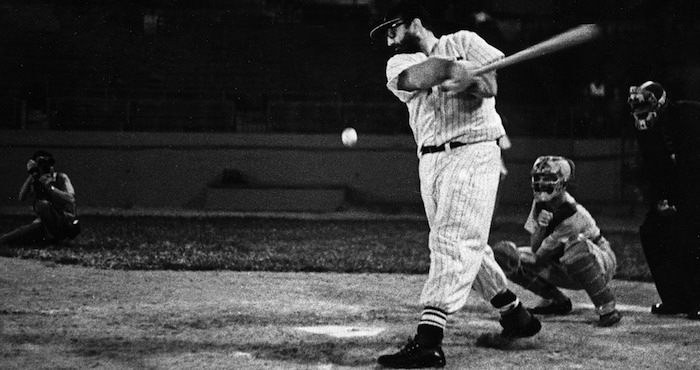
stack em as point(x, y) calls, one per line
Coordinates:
point(456, 127)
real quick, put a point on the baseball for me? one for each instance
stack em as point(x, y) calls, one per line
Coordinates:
point(349, 137)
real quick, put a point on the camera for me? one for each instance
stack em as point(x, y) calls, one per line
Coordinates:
point(43, 165)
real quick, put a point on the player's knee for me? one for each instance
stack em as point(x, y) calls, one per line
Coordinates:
point(42, 207)
point(507, 256)
point(577, 252)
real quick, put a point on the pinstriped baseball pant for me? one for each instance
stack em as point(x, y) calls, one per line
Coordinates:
point(458, 188)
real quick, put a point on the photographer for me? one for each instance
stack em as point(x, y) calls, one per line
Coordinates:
point(53, 199)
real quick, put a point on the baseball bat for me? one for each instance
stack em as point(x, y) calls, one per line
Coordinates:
point(575, 36)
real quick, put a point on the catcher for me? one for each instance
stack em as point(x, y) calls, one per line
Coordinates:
point(566, 248)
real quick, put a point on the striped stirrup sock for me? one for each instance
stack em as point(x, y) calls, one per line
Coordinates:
point(431, 327)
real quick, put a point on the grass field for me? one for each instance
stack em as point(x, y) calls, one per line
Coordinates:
point(269, 244)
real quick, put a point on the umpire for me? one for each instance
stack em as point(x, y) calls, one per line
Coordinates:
point(668, 133)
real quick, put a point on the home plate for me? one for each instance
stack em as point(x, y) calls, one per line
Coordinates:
point(342, 331)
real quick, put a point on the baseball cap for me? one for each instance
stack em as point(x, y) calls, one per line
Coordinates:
point(405, 11)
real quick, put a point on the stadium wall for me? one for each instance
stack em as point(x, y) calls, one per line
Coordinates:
point(181, 170)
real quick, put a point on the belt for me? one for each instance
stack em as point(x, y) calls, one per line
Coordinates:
point(425, 149)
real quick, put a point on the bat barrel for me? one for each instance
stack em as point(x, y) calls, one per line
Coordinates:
point(570, 38)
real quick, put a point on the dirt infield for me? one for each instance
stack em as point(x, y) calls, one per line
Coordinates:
point(55, 316)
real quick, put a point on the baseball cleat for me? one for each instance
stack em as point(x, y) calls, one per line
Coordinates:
point(519, 324)
point(414, 356)
point(554, 308)
point(531, 328)
point(610, 319)
point(694, 315)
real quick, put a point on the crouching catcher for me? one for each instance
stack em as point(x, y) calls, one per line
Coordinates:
point(566, 248)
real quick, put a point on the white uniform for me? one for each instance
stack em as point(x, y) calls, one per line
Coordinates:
point(458, 186)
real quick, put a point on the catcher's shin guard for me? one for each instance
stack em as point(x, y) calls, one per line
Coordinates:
point(585, 270)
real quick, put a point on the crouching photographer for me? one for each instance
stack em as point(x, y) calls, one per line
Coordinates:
point(53, 199)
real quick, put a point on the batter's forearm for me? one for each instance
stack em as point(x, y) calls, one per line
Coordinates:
point(425, 75)
point(460, 77)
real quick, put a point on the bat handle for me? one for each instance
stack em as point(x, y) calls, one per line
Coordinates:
point(484, 69)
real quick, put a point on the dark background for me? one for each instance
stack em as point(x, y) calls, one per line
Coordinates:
point(310, 67)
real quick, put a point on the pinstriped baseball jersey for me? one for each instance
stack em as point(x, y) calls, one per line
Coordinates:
point(436, 117)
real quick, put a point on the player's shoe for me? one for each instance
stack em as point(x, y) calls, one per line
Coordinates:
point(73, 229)
point(414, 356)
point(694, 314)
point(610, 319)
point(518, 324)
point(666, 309)
point(554, 308)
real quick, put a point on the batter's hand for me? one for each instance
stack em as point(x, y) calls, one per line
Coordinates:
point(544, 218)
point(459, 77)
point(46, 180)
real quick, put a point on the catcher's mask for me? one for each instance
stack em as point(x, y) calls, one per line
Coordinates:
point(645, 101)
point(550, 176)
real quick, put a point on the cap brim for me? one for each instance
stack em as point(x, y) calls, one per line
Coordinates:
point(376, 31)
